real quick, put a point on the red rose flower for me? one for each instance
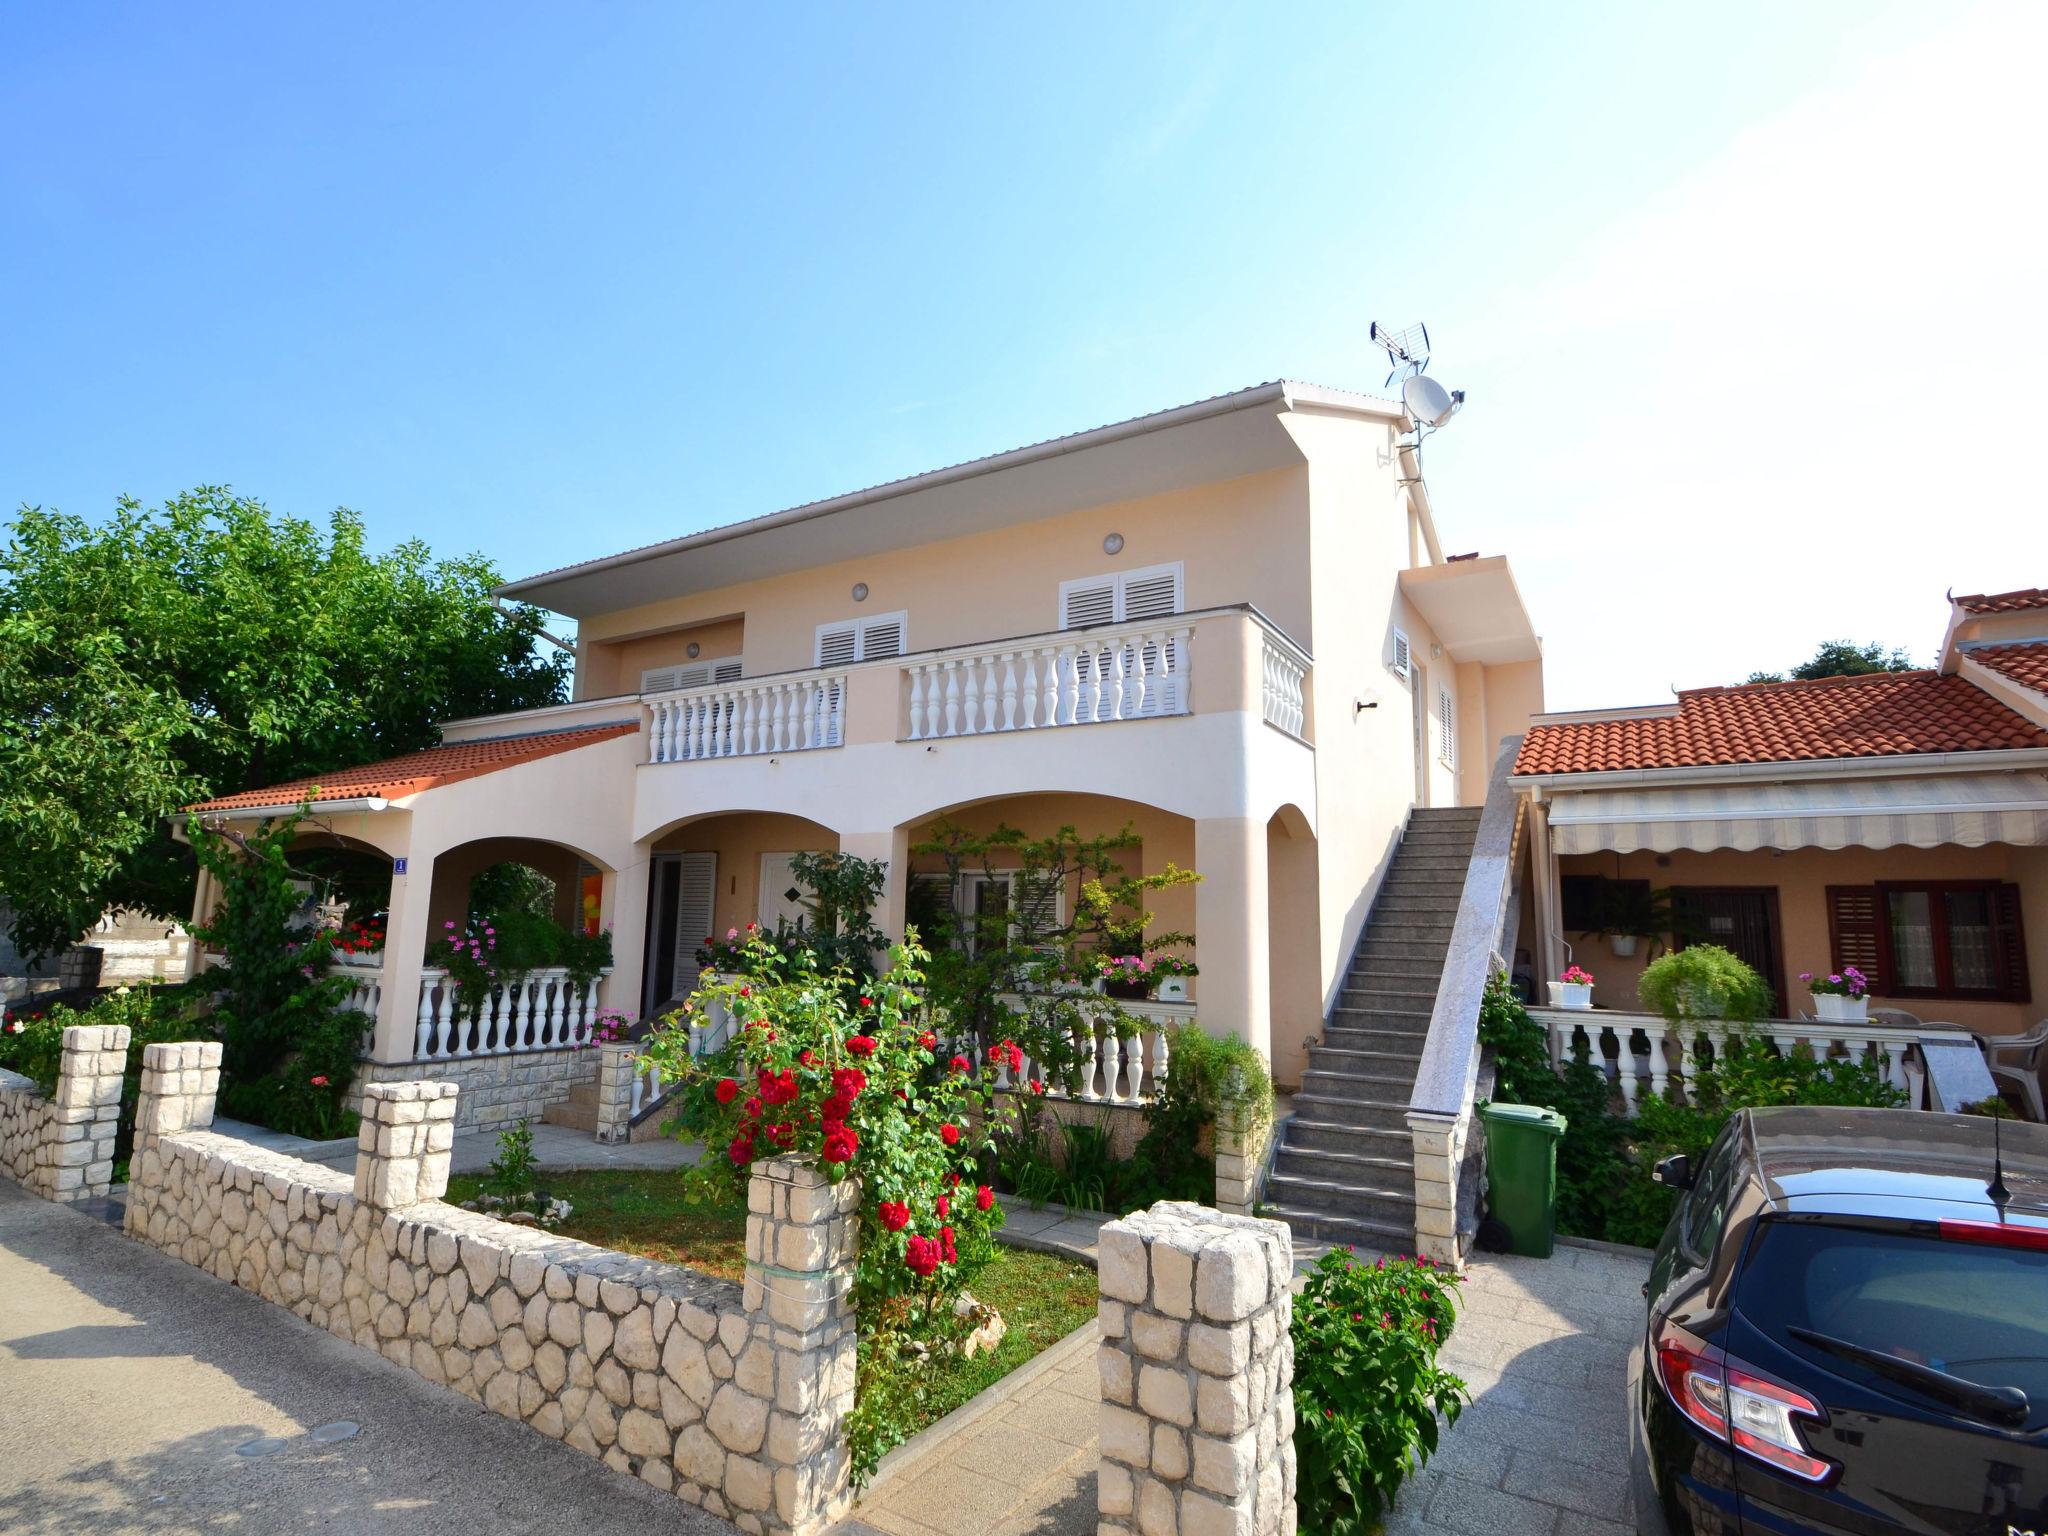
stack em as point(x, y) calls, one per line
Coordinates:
point(984, 1197)
point(1036, 1086)
point(782, 1135)
point(848, 1082)
point(946, 1245)
point(753, 1107)
point(921, 1257)
point(894, 1214)
point(928, 1040)
point(945, 1207)
point(1010, 1052)
point(741, 1151)
point(960, 1064)
point(949, 1133)
point(840, 1144)
point(727, 1090)
point(953, 1179)
point(807, 1056)
point(778, 1087)
point(861, 1045)
point(867, 1002)
point(318, 1082)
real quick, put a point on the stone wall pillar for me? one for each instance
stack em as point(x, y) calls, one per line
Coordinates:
point(179, 1084)
point(802, 1234)
point(617, 1066)
point(1197, 1366)
point(405, 1143)
point(76, 1159)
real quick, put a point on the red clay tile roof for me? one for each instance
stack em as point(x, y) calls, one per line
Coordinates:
point(2026, 665)
point(408, 775)
point(1887, 714)
point(2004, 602)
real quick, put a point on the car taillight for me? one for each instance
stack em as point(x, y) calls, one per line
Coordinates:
point(1727, 1398)
point(1995, 1234)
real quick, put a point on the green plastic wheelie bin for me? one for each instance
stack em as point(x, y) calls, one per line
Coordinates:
point(1521, 1173)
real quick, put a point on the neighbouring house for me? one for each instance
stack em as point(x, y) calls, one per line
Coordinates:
point(1230, 624)
point(121, 948)
point(1896, 822)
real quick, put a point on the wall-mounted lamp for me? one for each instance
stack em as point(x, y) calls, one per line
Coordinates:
point(860, 591)
point(1113, 545)
point(694, 648)
point(1360, 706)
point(774, 762)
point(1436, 652)
point(931, 749)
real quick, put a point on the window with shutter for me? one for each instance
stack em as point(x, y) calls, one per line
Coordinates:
point(1446, 728)
point(1123, 597)
point(1398, 659)
point(659, 680)
point(2011, 943)
point(1855, 936)
point(695, 674)
point(854, 640)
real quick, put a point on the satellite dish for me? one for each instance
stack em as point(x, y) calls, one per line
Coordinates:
point(1428, 401)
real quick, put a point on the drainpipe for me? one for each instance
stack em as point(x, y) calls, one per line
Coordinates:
point(1418, 496)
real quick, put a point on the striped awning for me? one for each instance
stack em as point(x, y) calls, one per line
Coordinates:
point(1970, 809)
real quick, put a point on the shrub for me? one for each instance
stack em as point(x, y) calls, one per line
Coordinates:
point(1367, 1387)
point(1704, 981)
point(1209, 1077)
point(512, 1170)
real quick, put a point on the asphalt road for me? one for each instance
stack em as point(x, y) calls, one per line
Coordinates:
point(131, 1384)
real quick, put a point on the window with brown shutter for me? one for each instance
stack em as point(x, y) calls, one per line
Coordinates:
point(1959, 939)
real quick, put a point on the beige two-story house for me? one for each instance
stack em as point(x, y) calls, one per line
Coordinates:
point(1231, 625)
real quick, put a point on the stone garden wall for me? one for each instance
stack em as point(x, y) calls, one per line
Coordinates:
point(1197, 1369)
point(730, 1397)
point(62, 1147)
point(497, 1091)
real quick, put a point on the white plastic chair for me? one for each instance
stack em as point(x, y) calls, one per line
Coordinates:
point(2016, 1059)
point(1894, 1018)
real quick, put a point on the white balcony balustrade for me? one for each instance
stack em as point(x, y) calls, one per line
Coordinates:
point(366, 989)
point(1675, 1051)
point(1111, 1071)
point(1282, 673)
point(542, 1010)
point(796, 713)
point(1124, 672)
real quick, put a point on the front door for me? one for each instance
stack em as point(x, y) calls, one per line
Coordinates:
point(1740, 918)
point(784, 899)
point(679, 917)
point(1418, 693)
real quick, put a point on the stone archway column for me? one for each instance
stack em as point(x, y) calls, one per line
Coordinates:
point(894, 848)
point(622, 905)
point(1234, 990)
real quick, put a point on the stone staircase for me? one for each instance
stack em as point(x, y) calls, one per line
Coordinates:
point(579, 1113)
point(1344, 1170)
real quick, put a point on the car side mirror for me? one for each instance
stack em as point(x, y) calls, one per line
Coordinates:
point(1674, 1172)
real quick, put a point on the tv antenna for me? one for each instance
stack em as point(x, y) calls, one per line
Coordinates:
point(1430, 406)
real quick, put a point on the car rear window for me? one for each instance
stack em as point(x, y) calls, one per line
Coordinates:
point(1969, 1309)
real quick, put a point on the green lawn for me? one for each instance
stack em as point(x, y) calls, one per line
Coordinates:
point(1042, 1297)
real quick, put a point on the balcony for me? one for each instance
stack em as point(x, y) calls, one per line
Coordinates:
point(1051, 681)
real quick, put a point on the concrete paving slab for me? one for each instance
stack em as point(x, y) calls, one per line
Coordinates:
point(131, 1380)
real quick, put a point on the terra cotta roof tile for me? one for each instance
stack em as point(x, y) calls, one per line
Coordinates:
point(2004, 602)
point(1886, 714)
point(408, 775)
point(2026, 665)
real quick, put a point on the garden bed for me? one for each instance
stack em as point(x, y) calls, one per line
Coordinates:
point(1042, 1297)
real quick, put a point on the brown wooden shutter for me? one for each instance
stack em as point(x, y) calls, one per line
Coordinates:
point(1856, 932)
point(2012, 943)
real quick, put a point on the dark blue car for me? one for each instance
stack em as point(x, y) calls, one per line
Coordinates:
point(1848, 1331)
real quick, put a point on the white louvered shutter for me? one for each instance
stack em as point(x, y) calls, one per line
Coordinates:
point(695, 892)
point(881, 636)
point(838, 645)
point(1084, 604)
point(727, 671)
point(1153, 594)
point(841, 645)
point(1400, 660)
point(1446, 727)
point(659, 680)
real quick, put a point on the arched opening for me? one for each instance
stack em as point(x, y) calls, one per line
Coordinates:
point(715, 874)
point(1294, 940)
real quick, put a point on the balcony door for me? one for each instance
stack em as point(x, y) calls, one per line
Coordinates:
point(679, 911)
point(1741, 918)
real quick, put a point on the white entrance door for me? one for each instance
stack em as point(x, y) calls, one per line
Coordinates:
point(695, 892)
point(1418, 691)
point(783, 896)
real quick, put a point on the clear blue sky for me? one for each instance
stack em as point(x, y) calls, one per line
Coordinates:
point(553, 281)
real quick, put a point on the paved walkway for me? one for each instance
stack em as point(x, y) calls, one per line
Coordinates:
point(1543, 1345)
point(132, 1383)
point(554, 1146)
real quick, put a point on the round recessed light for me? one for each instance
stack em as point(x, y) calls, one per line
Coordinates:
point(694, 649)
point(1113, 545)
point(860, 591)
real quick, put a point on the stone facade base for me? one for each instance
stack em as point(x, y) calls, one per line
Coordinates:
point(497, 1092)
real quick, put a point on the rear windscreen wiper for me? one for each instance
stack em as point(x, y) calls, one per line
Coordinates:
point(2001, 1405)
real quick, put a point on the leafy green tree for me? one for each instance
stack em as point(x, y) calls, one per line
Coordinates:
point(1839, 658)
point(208, 646)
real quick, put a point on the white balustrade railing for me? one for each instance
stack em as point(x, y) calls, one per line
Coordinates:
point(1126, 672)
point(646, 1085)
point(711, 1022)
point(748, 719)
point(542, 1010)
point(1674, 1051)
point(1111, 1071)
point(1281, 675)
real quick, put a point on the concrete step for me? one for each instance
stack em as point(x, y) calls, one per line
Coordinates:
point(1368, 1087)
point(1423, 881)
point(1333, 1106)
point(1369, 1170)
point(1362, 1140)
point(577, 1117)
point(1403, 1043)
point(1394, 971)
point(1395, 996)
point(1426, 815)
point(1369, 1194)
point(1441, 906)
point(583, 1093)
point(1321, 1227)
point(1350, 1060)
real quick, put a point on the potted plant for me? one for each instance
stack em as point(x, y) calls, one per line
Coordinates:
point(1841, 997)
point(1137, 977)
point(1704, 981)
point(1630, 912)
point(1574, 989)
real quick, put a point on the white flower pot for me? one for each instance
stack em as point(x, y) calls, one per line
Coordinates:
point(1833, 1008)
point(1571, 994)
point(1172, 989)
point(1623, 944)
